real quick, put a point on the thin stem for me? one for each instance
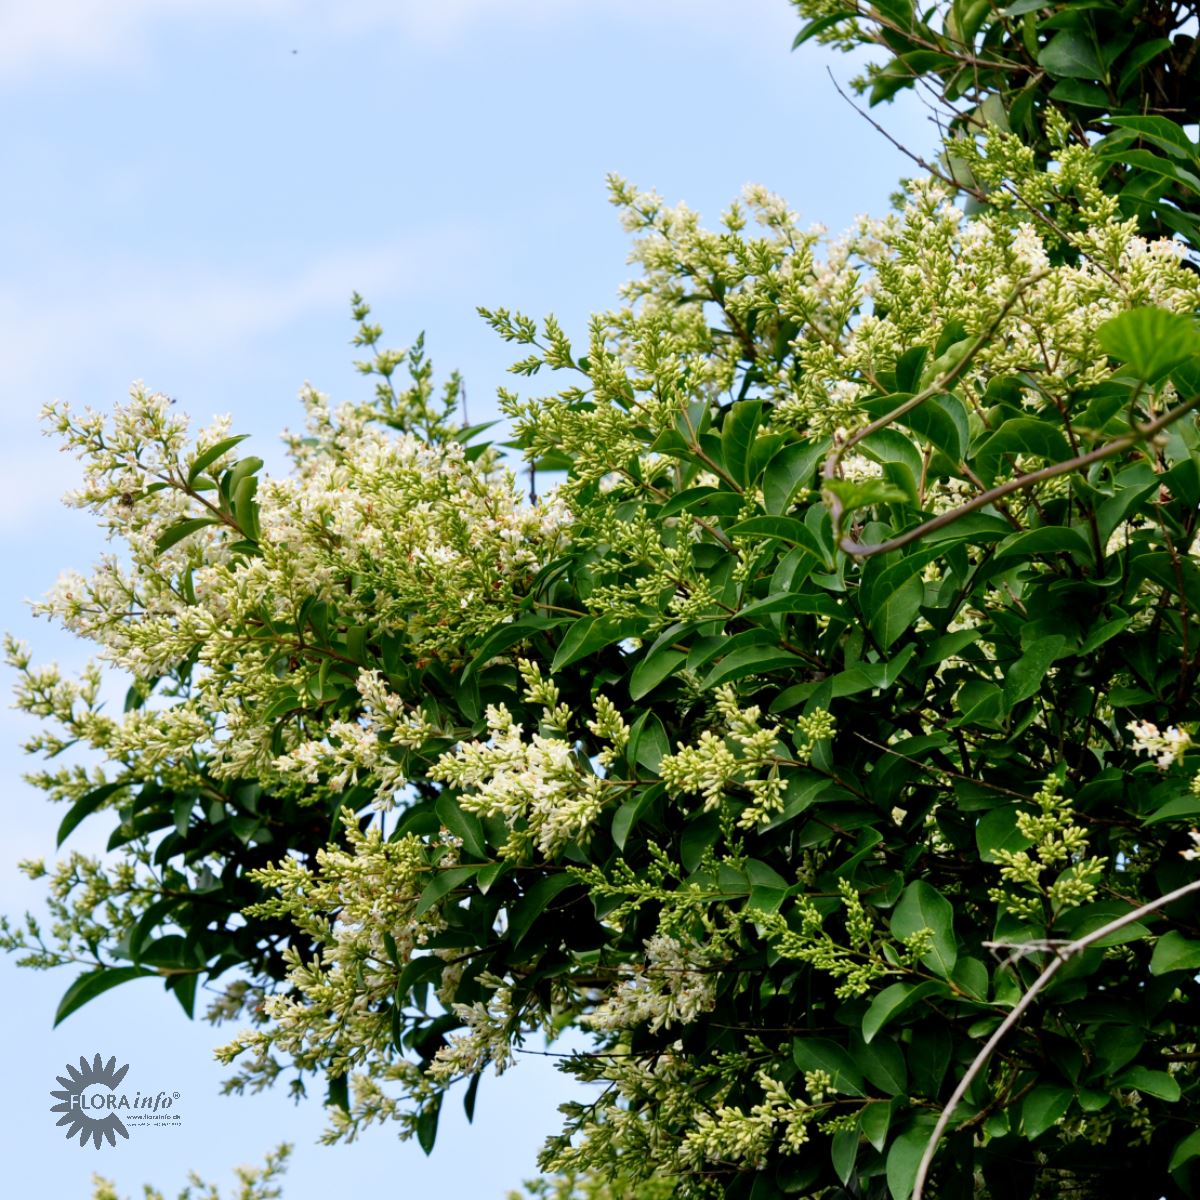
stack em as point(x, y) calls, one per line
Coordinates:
point(1116, 446)
point(1063, 954)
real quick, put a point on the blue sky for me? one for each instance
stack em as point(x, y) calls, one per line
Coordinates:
point(192, 190)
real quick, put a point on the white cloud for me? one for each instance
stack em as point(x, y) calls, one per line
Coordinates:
point(79, 310)
point(111, 34)
point(196, 305)
point(447, 20)
point(107, 317)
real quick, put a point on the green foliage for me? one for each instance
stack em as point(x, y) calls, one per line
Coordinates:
point(1124, 74)
point(253, 1183)
point(850, 670)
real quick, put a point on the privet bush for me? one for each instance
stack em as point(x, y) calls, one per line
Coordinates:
point(849, 668)
point(1122, 74)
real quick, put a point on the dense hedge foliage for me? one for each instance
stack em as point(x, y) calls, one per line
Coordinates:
point(1122, 74)
point(848, 670)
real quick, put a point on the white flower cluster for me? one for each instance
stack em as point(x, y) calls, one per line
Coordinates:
point(355, 751)
point(672, 986)
point(537, 783)
point(1167, 747)
point(375, 532)
point(730, 1134)
point(711, 765)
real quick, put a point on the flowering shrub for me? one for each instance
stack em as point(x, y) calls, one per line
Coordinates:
point(1122, 76)
point(771, 750)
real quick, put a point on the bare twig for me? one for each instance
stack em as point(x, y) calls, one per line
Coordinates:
point(941, 384)
point(1063, 953)
point(1139, 433)
point(923, 163)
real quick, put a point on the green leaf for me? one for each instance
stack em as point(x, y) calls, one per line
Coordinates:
point(750, 660)
point(534, 903)
point(1185, 1151)
point(997, 830)
point(699, 834)
point(91, 984)
point(337, 1094)
point(899, 457)
point(1079, 922)
point(801, 793)
point(874, 1120)
point(896, 612)
point(812, 28)
point(863, 493)
point(503, 637)
point(1138, 58)
point(184, 988)
point(680, 500)
point(1026, 435)
point(489, 874)
point(1118, 508)
point(892, 1001)
point(1025, 676)
point(947, 646)
point(791, 469)
point(737, 436)
point(903, 1159)
point(794, 603)
point(940, 420)
point(843, 1151)
point(210, 456)
point(467, 432)
point(84, 807)
point(1150, 341)
point(879, 581)
point(1044, 1107)
point(150, 919)
point(882, 1064)
point(1049, 539)
point(393, 951)
point(868, 676)
point(171, 950)
point(462, 824)
point(1071, 55)
point(909, 368)
point(442, 884)
point(652, 670)
point(1153, 1083)
point(648, 743)
point(1160, 131)
point(245, 509)
point(786, 529)
point(972, 976)
point(427, 1124)
point(1164, 168)
point(180, 530)
point(821, 1054)
point(470, 1095)
point(1174, 952)
point(242, 469)
point(589, 634)
point(1099, 634)
point(1078, 91)
point(416, 971)
point(1181, 808)
point(924, 907)
point(631, 812)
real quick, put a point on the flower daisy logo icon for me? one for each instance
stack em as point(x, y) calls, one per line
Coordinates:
point(88, 1101)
